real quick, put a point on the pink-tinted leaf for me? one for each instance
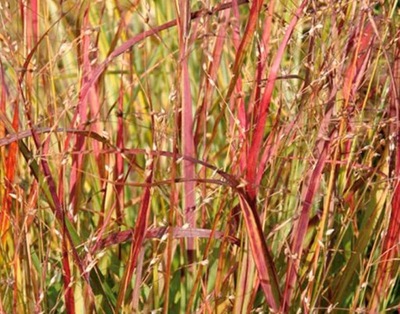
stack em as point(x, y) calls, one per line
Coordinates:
point(188, 149)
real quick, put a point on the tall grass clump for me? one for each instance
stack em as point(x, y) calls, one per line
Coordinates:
point(199, 156)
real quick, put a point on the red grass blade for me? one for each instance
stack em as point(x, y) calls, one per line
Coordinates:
point(138, 236)
point(262, 111)
point(10, 162)
point(67, 278)
point(390, 248)
point(34, 9)
point(262, 257)
point(261, 65)
point(356, 70)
